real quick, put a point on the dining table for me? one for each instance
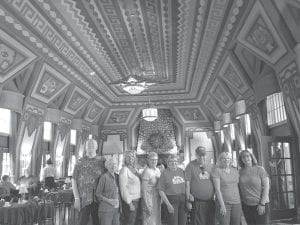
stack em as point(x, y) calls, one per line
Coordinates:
point(63, 203)
point(27, 213)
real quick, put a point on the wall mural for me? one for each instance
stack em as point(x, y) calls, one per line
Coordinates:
point(191, 113)
point(233, 76)
point(94, 111)
point(49, 84)
point(13, 56)
point(118, 117)
point(211, 104)
point(77, 100)
point(289, 80)
point(259, 35)
point(219, 92)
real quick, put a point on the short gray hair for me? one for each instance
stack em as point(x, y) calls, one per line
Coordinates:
point(109, 162)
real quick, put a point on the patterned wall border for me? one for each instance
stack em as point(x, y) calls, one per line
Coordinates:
point(56, 76)
point(212, 106)
point(221, 94)
point(264, 35)
point(94, 111)
point(82, 99)
point(21, 49)
point(111, 112)
point(48, 52)
point(233, 75)
point(192, 112)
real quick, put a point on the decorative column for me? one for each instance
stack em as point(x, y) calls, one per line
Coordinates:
point(289, 81)
point(61, 142)
point(188, 136)
point(226, 120)
point(53, 116)
point(103, 138)
point(77, 125)
point(29, 133)
point(83, 137)
point(95, 135)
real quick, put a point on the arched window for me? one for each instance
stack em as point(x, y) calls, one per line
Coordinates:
point(275, 109)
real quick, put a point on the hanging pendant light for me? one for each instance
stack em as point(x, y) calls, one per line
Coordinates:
point(135, 83)
point(150, 113)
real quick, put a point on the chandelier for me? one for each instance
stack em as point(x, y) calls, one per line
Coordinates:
point(134, 86)
point(150, 113)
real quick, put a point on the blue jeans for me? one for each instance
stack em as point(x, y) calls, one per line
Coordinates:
point(203, 212)
point(179, 216)
point(110, 218)
point(85, 212)
point(252, 217)
point(131, 217)
point(232, 216)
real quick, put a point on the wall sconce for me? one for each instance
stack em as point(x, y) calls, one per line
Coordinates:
point(226, 119)
point(217, 126)
point(239, 108)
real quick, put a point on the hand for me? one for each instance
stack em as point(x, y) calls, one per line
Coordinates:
point(189, 206)
point(191, 198)
point(148, 211)
point(223, 210)
point(261, 209)
point(113, 202)
point(131, 206)
point(77, 204)
point(170, 209)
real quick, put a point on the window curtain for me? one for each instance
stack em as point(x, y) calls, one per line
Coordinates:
point(39, 154)
point(15, 120)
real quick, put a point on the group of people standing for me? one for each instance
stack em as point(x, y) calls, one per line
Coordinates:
point(205, 191)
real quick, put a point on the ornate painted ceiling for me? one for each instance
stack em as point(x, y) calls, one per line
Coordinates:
point(202, 54)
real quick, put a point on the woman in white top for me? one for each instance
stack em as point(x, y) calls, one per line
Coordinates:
point(48, 175)
point(151, 198)
point(130, 188)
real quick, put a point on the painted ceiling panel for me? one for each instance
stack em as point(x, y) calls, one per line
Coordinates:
point(181, 45)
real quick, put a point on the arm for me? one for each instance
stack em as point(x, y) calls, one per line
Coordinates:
point(75, 189)
point(265, 192)
point(188, 176)
point(166, 201)
point(216, 182)
point(123, 181)
point(188, 191)
point(76, 195)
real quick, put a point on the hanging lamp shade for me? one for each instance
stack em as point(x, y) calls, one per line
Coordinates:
point(150, 113)
point(226, 119)
point(239, 108)
point(134, 86)
point(217, 126)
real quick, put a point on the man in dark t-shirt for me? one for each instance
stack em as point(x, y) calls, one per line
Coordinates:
point(200, 190)
point(85, 179)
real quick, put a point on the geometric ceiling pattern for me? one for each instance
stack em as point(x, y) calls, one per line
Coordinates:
point(80, 49)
